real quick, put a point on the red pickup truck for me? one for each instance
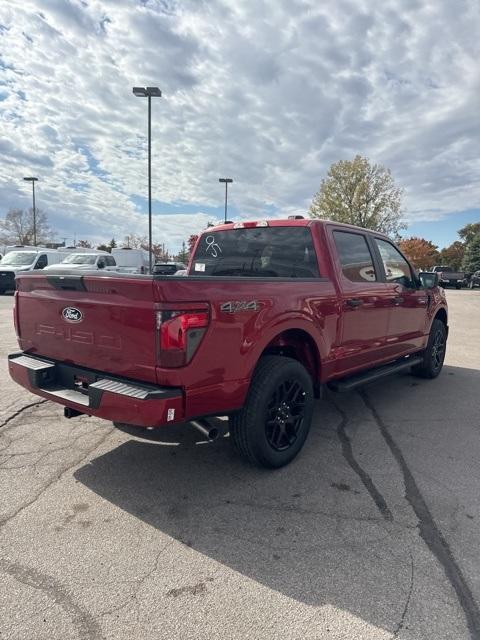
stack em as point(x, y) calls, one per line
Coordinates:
point(269, 312)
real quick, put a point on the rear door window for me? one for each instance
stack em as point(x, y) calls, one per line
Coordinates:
point(261, 252)
point(355, 257)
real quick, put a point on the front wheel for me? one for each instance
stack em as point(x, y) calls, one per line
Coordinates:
point(434, 354)
point(272, 427)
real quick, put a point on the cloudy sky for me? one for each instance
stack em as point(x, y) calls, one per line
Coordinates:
point(268, 92)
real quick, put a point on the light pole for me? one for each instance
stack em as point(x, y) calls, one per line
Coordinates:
point(149, 92)
point(226, 181)
point(33, 180)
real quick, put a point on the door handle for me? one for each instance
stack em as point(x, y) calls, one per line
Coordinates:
point(354, 302)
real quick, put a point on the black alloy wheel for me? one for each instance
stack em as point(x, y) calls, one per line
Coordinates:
point(286, 413)
point(272, 426)
point(434, 354)
point(438, 349)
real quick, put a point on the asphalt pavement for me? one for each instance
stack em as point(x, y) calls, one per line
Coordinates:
point(373, 532)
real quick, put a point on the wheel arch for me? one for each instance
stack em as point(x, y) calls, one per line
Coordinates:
point(442, 316)
point(301, 346)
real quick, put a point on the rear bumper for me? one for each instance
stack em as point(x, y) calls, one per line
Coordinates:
point(96, 393)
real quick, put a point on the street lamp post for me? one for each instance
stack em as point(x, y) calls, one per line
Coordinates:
point(149, 92)
point(226, 181)
point(33, 180)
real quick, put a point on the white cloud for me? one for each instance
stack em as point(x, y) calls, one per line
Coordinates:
point(269, 92)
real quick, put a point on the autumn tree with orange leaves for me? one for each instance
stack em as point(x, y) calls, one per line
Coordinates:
point(422, 253)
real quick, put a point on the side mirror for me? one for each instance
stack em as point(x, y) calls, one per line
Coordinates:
point(428, 280)
point(101, 264)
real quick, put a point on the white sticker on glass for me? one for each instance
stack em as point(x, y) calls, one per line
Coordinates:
point(199, 266)
point(170, 415)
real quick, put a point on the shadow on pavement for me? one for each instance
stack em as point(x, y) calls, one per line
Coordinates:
point(306, 531)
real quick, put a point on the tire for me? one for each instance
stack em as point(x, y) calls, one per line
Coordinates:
point(470, 284)
point(434, 354)
point(272, 427)
point(458, 286)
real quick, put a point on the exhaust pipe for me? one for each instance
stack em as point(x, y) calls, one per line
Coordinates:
point(71, 413)
point(211, 433)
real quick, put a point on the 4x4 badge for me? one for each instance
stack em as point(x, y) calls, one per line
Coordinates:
point(71, 314)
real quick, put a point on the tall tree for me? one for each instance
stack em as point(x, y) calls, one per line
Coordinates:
point(183, 254)
point(360, 193)
point(453, 255)
point(85, 244)
point(469, 231)
point(112, 244)
point(471, 260)
point(17, 228)
point(191, 243)
point(423, 253)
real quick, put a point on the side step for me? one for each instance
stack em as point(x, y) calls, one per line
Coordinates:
point(352, 382)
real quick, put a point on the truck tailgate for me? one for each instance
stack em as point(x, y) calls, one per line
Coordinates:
point(110, 325)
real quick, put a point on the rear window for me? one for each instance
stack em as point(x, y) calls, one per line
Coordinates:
point(355, 257)
point(259, 252)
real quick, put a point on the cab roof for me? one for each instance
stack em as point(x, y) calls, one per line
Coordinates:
point(290, 222)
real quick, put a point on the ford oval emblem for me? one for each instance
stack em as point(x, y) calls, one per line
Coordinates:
point(71, 314)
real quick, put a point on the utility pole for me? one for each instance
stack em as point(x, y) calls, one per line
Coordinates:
point(226, 181)
point(149, 92)
point(33, 180)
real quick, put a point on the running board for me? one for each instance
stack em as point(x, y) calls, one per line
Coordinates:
point(352, 382)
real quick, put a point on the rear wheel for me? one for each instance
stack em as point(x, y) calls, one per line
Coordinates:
point(434, 354)
point(272, 427)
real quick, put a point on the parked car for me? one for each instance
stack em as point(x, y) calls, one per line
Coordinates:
point(474, 280)
point(448, 277)
point(269, 313)
point(168, 268)
point(131, 260)
point(24, 259)
point(85, 262)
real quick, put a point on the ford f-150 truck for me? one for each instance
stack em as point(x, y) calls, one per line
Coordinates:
point(268, 314)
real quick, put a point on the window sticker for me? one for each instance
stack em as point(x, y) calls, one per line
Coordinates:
point(199, 266)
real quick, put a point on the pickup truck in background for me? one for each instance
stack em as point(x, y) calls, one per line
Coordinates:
point(268, 314)
point(448, 277)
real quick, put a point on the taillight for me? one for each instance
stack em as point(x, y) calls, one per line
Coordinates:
point(179, 335)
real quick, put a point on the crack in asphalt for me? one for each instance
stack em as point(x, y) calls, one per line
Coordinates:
point(132, 599)
point(17, 413)
point(367, 481)
point(56, 478)
point(86, 624)
point(429, 531)
point(399, 626)
point(41, 455)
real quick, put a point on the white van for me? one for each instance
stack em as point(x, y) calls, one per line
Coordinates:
point(25, 259)
point(86, 262)
point(131, 260)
